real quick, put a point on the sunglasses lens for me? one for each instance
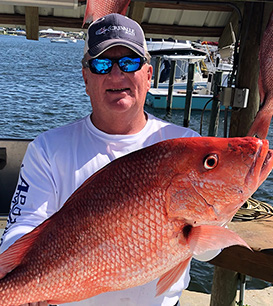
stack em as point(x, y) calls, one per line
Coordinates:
point(100, 65)
point(128, 64)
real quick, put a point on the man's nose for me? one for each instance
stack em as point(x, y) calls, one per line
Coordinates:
point(116, 70)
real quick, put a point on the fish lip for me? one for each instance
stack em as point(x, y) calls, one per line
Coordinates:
point(266, 164)
point(267, 158)
point(260, 167)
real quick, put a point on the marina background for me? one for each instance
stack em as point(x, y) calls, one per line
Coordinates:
point(41, 87)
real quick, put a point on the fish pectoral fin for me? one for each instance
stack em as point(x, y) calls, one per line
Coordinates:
point(171, 277)
point(14, 255)
point(211, 237)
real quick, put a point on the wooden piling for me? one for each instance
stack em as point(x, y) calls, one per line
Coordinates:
point(241, 119)
point(188, 102)
point(215, 108)
point(32, 22)
point(224, 287)
point(157, 70)
point(171, 85)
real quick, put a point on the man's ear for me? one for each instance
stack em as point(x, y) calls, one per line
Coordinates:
point(150, 75)
point(84, 75)
point(85, 78)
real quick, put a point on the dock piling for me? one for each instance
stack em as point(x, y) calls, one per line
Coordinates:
point(171, 85)
point(188, 102)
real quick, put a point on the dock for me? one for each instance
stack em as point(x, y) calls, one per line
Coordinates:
point(259, 297)
point(256, 262)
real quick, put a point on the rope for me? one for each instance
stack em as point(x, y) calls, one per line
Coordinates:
point(252, 210)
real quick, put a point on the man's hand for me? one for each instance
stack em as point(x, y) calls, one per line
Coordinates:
point(44, 303)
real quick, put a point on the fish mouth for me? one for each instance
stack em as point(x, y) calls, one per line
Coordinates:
point(267, 165)
point(261, 166)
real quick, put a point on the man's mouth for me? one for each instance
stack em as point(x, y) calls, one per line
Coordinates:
point(117, 89)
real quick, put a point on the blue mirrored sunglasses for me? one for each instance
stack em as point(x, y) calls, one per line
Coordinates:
point(126, 64)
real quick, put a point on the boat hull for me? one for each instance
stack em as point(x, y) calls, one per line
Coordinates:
point(157, 98)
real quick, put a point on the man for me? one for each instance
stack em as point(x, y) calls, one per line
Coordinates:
point(117, 75)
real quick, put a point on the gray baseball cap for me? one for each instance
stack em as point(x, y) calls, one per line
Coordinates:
point(114, 30)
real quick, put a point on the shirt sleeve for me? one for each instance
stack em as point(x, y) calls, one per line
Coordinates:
point(34, 199)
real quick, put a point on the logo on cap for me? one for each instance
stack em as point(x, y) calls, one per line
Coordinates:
point(105, 30)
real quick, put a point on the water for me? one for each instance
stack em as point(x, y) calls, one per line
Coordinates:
point(41, 87)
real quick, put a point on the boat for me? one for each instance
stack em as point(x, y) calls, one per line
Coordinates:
point(14, 32)
point(59, 40)
point(63, 40)
point(160, 46)
point(72, 40)
point(50, 33)
point(182, 53)
point(157, 98)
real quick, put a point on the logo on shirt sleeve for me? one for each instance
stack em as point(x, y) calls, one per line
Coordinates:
point(19, 199)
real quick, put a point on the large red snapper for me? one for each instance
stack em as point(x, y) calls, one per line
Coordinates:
point(96, 9)
point(262, 120)
point(141, 217)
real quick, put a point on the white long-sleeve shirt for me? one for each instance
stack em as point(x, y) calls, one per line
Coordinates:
point(57, 162)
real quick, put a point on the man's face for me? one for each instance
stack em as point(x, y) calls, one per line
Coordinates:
point(117, 92)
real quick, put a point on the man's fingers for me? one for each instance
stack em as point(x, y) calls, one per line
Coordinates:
point(43, 303)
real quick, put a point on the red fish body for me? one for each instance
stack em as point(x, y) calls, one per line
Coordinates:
point(262, 121)
point(96, 9)
point(141, 217)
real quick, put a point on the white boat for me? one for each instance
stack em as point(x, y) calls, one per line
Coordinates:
point(182, 53)
point(50, 33)
point(59, 40)
point(157, 98)
point(72, 40)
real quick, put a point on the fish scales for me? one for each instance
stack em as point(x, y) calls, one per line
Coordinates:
point(260, 126)
point(266, 62)
point(96, 9)
point(108, 244)
point(132, 222)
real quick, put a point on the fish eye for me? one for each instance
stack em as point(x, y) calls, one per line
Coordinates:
point(211, 161)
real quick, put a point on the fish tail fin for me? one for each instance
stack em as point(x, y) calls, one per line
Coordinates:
point(124, 10)
point(14, 255)
point(260, 125)
point(92, 12)
point(171, 277)
point(210, 237)
point(88, 13)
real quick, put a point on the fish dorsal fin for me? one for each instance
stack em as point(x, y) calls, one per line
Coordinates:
point(14, 255)
point(211, 237)
point(171, 277)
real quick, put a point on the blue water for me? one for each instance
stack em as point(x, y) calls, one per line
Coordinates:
point(41, 87)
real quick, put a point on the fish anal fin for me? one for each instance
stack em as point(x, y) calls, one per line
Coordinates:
point(171, 277)
point(14, 255)
point(211, 237)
